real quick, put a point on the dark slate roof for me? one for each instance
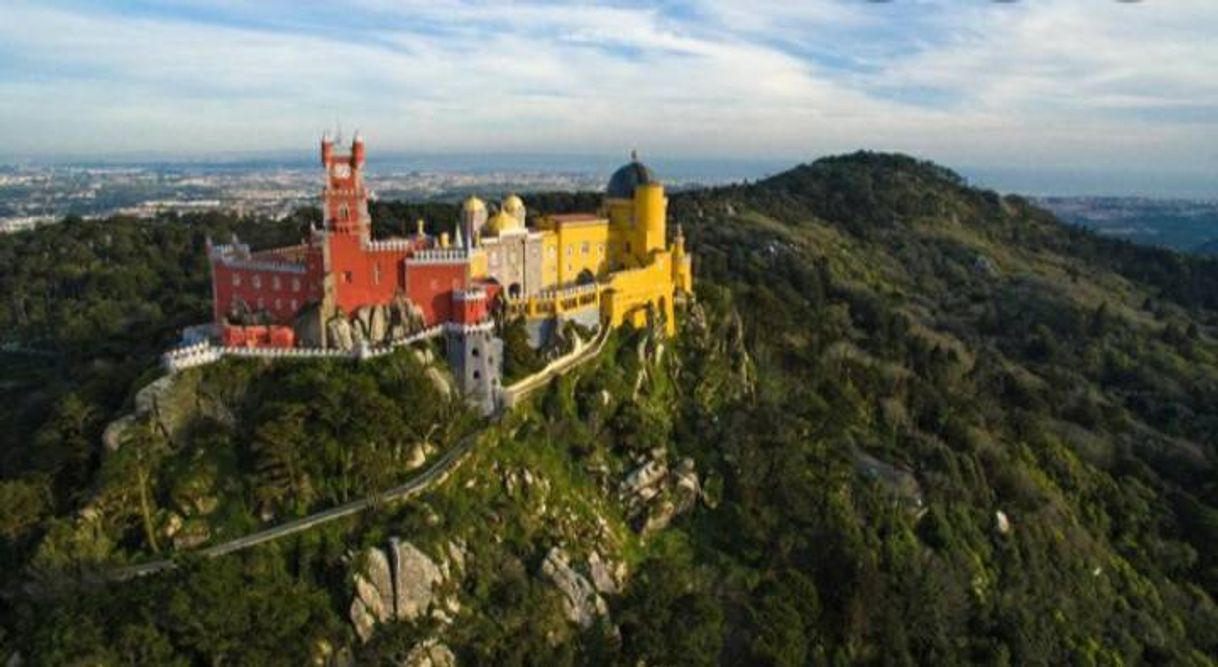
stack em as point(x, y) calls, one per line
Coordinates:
point(624, 180)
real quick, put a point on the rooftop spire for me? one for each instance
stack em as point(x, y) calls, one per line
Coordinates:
point(634, 155)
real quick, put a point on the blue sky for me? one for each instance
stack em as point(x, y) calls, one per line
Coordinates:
point(1073, 84)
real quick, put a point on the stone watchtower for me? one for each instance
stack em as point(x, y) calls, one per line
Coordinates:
point(475, 355)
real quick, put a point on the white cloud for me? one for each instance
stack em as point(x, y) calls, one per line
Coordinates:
point(1083, 82)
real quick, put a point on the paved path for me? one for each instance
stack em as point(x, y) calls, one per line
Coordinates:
point(435, 474)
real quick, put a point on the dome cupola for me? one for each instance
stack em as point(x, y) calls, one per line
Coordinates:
point(628, 177)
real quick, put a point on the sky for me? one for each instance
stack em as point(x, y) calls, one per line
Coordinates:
point(1127, 90)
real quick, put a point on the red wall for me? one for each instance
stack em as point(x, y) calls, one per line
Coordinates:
point(355, 273)
point(430, 287)
point(258, 336)
point(277, 302)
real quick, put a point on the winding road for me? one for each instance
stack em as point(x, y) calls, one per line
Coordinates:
point(448, 462)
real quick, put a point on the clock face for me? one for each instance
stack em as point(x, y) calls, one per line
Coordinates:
point(341, 170)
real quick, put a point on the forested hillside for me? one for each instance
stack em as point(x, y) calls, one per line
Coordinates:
point(925, 423)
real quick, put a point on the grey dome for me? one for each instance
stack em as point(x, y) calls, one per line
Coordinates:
point(626, 179)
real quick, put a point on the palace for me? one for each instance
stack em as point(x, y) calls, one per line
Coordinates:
point(342, 288)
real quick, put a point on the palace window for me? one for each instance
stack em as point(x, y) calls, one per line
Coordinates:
point(584, 248)
point(494, 259)
point(278, 304)
point(261, 303)
point(376, 274)
point(348, 277)
point(275, 284)
point(343, 213)
point(257, 281)
point(236, 279)
point(296, 284)
point(570, 250)
point(295, 305)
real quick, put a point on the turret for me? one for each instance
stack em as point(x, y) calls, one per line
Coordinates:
point(473, 217)
point(357, 150)
point(327, 149)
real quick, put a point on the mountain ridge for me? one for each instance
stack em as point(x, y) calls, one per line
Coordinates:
point(929, 423)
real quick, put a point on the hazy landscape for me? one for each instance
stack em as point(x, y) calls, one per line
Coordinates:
point(704, 332)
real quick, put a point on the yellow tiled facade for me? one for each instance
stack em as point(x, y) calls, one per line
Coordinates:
point(617, 259)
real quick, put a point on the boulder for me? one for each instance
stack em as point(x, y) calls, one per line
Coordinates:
point(456, 554)
point(377, 593)
point(424, 356)
point(643, 482)
point(418, 455)
point(1002, 523)
point(362, 620)
point(581, 603)
point(338, 332)
point(602, 574)
point(439, 380)
point(660, 515)
point(363, 321)
point(687, 488)
point(192, 534)
point(378, 325)
point(416, 575)
point(373, 601)
point(430, 653)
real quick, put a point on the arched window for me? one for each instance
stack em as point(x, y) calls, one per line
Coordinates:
point(343, 213)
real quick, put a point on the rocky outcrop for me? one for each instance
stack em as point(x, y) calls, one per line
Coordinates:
point(339, 333)
point(1002, 523)
point(440, 380)
point(415, 578)
point(581, 602)
point(430, 653)
point(374, 594)
point(607, 577)
point(654, 495)
point(403, 318)
point(405, 584)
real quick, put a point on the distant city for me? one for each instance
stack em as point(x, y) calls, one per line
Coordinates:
point(35, 193)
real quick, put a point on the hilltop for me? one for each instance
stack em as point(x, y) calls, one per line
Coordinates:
point(906, 420)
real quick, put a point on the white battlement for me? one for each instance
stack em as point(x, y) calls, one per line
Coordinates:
point(439, 256)
point(203, 353)
point(390, 245)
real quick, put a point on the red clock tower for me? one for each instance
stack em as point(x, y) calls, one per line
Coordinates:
point(344, 199)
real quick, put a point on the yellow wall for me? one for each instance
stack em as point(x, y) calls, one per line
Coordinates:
point(582, 245)
point(630, 242)
point(631, 292)
point(477, 265)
